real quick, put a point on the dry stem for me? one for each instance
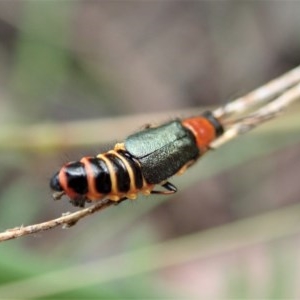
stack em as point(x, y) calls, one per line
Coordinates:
point(261, 95)
point(267, 112)
point(287, 85)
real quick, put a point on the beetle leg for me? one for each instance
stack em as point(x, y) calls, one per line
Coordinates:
point(186, 166)
point(170, 189)
point(79, 201)
point(119, 201)
point(147, 126)
point(58, 195)
point(119, 146)
point(210, 148)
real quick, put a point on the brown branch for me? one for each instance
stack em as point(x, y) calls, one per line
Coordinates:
point(66, 220)
point(289, 87)
point(258, 117)
point(47, 136)
point(261, 95)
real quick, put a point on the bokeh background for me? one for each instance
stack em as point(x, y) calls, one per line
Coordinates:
point(232, 230)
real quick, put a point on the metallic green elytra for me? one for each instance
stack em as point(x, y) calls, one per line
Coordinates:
point(162, 151)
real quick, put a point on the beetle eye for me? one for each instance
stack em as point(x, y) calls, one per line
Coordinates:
point(54, 183)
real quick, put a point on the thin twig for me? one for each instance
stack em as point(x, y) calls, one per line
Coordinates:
point(261, 95)
point(287, 85)
point(267, 112)
point(269, 226)
point(67, 219)
point(47, 136)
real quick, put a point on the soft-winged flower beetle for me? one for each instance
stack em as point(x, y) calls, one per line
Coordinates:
point(145, 159)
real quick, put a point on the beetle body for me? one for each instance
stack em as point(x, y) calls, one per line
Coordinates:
point(145, 159)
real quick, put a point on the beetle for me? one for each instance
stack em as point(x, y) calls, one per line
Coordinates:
point(144, 160)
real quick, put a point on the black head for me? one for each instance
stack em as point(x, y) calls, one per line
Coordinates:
point(70, 180)
point(55, 184)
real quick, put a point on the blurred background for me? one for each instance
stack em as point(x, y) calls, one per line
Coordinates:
point(232, 230)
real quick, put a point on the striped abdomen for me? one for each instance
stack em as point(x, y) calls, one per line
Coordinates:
point(115, 175)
